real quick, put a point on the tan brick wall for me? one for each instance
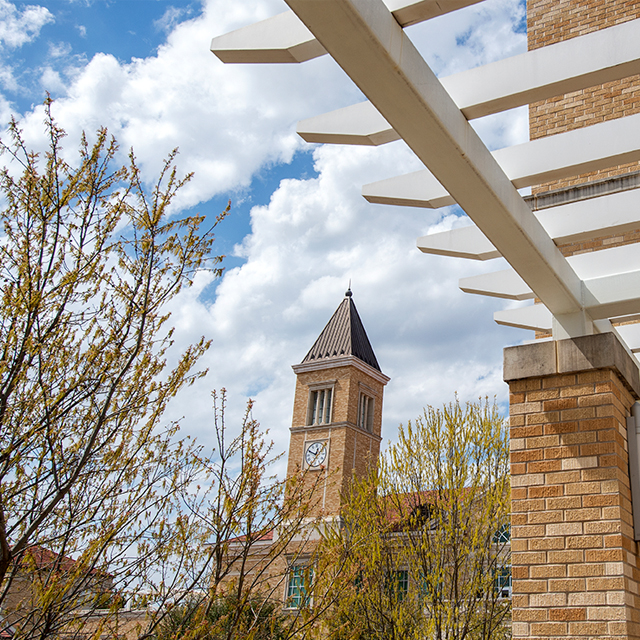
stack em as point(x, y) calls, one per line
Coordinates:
point(551, 21)
point(266, 568)
point(575, 563)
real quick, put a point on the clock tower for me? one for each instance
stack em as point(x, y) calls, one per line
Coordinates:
point(337, 411)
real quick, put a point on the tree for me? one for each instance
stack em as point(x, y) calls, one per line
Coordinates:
point(251, 527)
point(428, 534)
point(259, 620)
point(89, 259)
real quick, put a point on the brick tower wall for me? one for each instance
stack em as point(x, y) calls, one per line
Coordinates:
point(352, 450)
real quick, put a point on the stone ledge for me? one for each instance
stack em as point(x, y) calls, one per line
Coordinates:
point(586, 353)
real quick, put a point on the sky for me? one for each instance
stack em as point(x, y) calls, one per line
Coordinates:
point(299, 231)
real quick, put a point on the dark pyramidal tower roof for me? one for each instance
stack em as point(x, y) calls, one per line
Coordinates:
point(344, 335)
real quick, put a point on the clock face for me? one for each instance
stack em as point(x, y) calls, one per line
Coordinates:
point(316, 454)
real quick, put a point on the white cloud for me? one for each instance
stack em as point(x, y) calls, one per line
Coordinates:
point(228, 121)
point(51, 81)
point(231, 120)
point(170, 18)
point(16, 29)
point(59, 49)
point(313, 237)
point(473, 36)
point(19, 27)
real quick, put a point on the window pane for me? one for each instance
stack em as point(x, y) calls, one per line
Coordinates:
point(300, 579)
point(320, 407)
point(503, 534)
point(398, 584)
point(365, 412)
point(502, 582)
point(314, 402)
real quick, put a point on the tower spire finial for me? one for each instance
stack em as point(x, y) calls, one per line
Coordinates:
point(348, 293)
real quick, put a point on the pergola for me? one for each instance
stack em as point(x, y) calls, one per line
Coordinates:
point(577, 296)
point(574, 445)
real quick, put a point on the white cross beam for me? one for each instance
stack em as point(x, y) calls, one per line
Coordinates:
point(284, 39)
point(598, 57)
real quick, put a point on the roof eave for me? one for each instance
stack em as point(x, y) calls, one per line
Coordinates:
point(341, 361)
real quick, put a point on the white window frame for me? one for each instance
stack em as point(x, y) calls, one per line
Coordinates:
point(502, 582)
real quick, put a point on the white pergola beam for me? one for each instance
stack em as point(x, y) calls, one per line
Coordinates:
point(599, 57)
point(615, 213)
point(415, 11)
point(579, 221)
point(284, 39)
point(369, 44)
point(613, 296)
point(497, 284)
point(358, 124)
point(464, 242)
point(280, 39)
point(555, 157)
point(578, 63)
point(538, 318)
point(590, 266)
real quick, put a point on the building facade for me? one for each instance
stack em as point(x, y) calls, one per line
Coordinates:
point(575, 559)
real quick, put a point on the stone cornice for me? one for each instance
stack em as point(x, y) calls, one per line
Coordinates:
point(341, 361)
point(335, 425)
point(572, 355)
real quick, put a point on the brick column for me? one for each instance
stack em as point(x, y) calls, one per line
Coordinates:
point(575, 562)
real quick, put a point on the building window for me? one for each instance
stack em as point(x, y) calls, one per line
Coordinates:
point(430, 588)
point(503, 534)
point(365, 412)
point(398, 584)
point(320, 406)
point(299, 586)
point(502, 582)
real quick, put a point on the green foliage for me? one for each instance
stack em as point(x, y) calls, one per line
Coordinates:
point(224, 619)
point(423, 553)
point(89, 259)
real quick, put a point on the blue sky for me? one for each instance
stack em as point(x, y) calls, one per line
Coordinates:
point(299, 229)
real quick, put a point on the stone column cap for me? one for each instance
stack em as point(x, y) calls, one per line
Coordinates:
point(573, 355)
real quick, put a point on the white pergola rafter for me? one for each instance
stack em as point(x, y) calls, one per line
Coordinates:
point(284, 39)
point(579, 221)
point(555, 157)
point(595, 58)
